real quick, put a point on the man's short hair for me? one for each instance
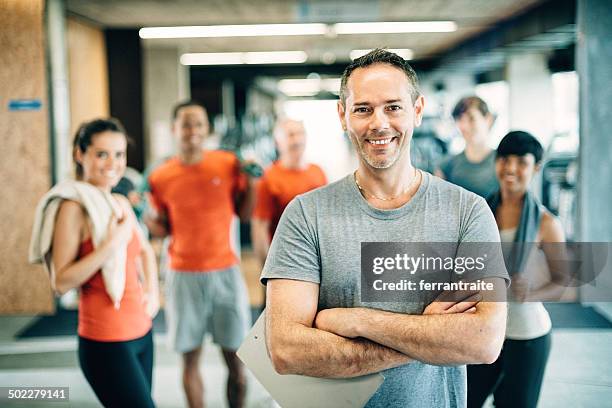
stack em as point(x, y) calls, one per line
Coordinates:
point(380, 56)
point(185, 104)
point(469, 102)
point(520, 143)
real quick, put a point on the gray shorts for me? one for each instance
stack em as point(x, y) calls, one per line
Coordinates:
point(213, 302)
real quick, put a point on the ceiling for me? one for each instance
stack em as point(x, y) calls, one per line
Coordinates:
point(471, 16)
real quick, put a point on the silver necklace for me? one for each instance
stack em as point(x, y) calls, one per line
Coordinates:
point(366, 194)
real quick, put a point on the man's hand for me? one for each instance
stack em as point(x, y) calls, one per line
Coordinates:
point(341, 321)
point(442, 304)
point(252, 168)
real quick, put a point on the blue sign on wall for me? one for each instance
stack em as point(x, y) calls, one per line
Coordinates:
point(24, 104)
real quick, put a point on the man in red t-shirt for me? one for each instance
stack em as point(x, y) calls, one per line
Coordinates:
point(195, 198)
point(289, 176)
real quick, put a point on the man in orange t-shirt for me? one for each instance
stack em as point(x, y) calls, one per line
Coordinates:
point(195, 197)
point(289, 176)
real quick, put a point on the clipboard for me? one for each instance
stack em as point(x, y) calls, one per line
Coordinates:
point(297, 391)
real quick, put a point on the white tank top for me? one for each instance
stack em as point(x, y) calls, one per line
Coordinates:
point(528, 320)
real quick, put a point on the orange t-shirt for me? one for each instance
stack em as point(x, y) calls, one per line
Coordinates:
point(279, 186)
point(198, 200)
point(98, 318)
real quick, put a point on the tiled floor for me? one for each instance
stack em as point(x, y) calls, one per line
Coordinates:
point(579, 373)
point(53, 362)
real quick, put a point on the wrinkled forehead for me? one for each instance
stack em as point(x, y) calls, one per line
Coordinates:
point(380, 82)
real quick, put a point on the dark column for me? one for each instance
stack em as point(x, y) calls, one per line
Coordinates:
point(125, 82)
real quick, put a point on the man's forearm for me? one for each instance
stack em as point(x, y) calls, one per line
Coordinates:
point(461, 331)
point(297, 349)
point(260, 237)
point(461, 338)
point(246, 202)
point(157, 226)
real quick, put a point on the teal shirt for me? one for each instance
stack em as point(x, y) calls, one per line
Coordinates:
point(478, 178)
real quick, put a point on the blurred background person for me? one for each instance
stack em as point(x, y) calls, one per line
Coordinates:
point(427, 148)
point(127, 188)
point(287, 177)
point(473, 168)
point(195, 197)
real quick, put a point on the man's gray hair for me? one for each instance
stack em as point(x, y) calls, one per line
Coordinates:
point(380, 56)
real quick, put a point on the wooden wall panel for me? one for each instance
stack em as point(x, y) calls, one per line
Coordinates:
point(88, 73)
point(25, 165)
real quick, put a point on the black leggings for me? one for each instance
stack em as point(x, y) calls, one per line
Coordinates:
point(120, 371)
point(515, 378)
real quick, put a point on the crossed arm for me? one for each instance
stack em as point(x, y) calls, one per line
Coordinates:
point(296, 346)
point(347, 342)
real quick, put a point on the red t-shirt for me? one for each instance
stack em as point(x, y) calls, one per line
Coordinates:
point(98, 318)
point(198, 200)
point(279, 186)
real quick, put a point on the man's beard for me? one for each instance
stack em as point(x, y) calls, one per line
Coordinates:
point(384, 163)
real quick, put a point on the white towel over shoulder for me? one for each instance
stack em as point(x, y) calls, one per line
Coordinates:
point(99, 207)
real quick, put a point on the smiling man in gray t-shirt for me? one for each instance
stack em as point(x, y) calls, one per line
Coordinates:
point(317, 322)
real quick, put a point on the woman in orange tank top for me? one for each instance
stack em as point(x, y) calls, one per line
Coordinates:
point(115, 343)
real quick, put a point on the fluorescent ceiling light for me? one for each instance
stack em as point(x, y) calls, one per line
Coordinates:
point(395, 27)
point(299, 86)
point(405, 53)
point(308, 87)
point(276, 57)
point(245, 30)
point(212, 58)
point(262, 30)
point(235, 58)
point(300, 93)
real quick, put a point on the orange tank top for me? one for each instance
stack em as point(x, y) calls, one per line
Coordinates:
point(98, 318)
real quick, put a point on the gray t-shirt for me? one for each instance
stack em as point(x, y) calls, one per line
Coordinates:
point(319, 240)
point(478, 178)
